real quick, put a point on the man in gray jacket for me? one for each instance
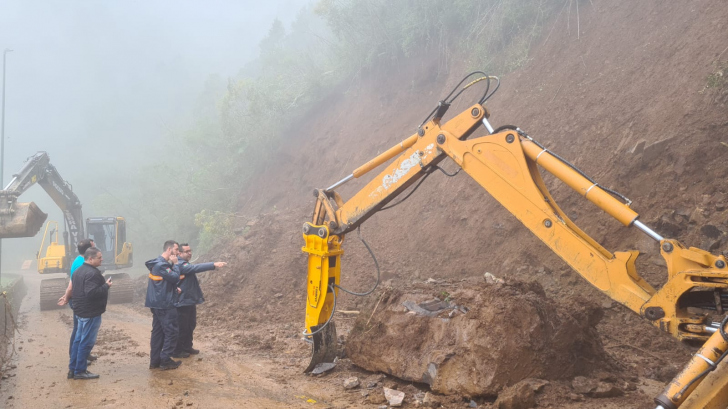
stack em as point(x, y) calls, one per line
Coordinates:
point(188, 299)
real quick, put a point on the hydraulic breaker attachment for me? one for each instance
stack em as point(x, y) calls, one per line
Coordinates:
point(324, 256)
point(19, 219)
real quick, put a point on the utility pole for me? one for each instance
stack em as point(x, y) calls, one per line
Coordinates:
point(2, 148)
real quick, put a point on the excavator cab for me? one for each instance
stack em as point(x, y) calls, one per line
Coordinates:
point(109, 235)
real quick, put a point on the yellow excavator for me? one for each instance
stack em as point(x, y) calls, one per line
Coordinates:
point(506, 162)
point(26, 219)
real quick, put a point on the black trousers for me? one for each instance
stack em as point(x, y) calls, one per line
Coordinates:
point(164, 335)
point(187, 321)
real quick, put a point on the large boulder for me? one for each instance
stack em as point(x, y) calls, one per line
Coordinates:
point(477, 340)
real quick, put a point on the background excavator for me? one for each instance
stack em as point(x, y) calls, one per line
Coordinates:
point(507, 163)
point(26, 219)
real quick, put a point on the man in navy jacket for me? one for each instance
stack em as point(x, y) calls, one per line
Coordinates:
point(188, 299)
point(162, 292)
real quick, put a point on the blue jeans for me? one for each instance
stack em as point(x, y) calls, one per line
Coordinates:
point(88, 329)
point(75, 328)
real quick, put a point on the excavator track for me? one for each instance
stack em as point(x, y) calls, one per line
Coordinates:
point(50, 291)
point(122, 288)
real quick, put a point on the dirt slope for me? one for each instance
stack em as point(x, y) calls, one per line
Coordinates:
point(636, 71)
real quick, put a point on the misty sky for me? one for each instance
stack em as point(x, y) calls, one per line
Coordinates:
point(99, 84)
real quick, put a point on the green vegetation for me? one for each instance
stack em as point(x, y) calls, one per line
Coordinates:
point(492, 35)
point(719, 78)
point(239, 124)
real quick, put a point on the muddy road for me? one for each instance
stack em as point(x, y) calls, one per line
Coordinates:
point(209, 380)
point(222, 376)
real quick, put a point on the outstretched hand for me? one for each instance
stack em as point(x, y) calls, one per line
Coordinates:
point(219, 264)
point(62, 301)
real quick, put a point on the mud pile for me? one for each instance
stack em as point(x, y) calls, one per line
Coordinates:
point(477, 340)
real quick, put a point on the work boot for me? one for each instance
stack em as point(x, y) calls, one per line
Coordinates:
point(193, 351)
point(70, 374)
point(85, 375)
point(171, 364)
point(92, 357)
point(153, 366)
point(181, 354)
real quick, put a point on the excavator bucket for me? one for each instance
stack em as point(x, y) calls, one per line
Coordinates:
point(21, 220)
point(324, 346)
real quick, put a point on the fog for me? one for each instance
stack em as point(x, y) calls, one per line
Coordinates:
point(101, 85)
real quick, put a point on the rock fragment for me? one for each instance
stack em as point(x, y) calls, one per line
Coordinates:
point(518, 396)
point(536, 384)
point(594, 388)
point(373, 380)
point(394, 397)
point(376, 397)
point(430, 401)
point(351, 383)
point(607, 390)
point(491, 279)
point(583, 385)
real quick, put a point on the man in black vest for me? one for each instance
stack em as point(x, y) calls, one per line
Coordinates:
point(90, 294)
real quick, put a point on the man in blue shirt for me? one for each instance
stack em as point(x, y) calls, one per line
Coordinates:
point(188, 299)
point(83, 245)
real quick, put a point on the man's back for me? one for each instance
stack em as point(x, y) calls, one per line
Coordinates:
point(77, 262)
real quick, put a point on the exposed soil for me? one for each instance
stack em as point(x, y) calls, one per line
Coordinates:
point(625, 99)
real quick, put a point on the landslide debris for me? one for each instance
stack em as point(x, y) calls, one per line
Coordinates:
point(476, 340)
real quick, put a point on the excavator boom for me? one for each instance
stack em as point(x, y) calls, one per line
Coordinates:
point(507, 163)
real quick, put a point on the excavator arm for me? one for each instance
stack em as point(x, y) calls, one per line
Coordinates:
point(38, 169)
point(507, 163)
